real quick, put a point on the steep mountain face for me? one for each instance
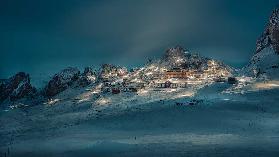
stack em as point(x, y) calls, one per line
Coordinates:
point(87, 77)
point(265, 61)
point(16, 87)
point(270, 36)
point(69, 77)
point(108, 71)
point(178, 57)
point(61, 81)
point(174, 60)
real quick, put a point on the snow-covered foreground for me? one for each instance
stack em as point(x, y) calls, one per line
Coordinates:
point(220, 124)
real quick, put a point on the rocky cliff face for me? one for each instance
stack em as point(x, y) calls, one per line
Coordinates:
point(179, 57)
point(270, 36)
point(174, 54)
point(61, 81)
point(87, 77)
point(111, 71)
point(69, 77)
point(16, 87)
point(265, 61)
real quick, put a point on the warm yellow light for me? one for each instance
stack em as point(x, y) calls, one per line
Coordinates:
point(52, 101)
point(103, 101)
point(266, 85)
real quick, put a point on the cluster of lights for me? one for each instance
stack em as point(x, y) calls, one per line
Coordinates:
point(154, 74)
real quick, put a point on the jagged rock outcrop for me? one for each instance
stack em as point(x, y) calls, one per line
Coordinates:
point(265, 61)
point(179, 57)
point(16, 87)
point(61, 81)
point(176, 60)
point(87, 77)
point(111, 71)
point(270, 36)
point(172, 54)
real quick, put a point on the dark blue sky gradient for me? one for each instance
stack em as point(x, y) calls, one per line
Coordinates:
point(42, 37)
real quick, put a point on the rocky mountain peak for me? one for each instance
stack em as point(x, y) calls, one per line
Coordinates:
point(178, 57)
point(87, 77)
point(16, 87)
point(274, 18)
point(265, 61)
point(61, 81)
point(270, 36)
point(175, 52)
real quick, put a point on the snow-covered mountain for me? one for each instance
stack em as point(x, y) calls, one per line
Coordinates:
point(16, 87)
point(181, 58)
point(69, 77)
point(181, 104)
point(265, 62)
point(175, 60)
point(270, 36)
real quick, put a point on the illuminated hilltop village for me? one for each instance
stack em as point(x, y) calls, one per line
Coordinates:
point(178, 68)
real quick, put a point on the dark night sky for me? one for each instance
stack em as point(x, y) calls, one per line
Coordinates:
point(42, 37)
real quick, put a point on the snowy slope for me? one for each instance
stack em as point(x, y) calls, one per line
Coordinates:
point(265, 62)
point(220, 125)
point(205, 119)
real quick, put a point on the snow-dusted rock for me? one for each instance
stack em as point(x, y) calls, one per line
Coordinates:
point(16, 87)
point(174, 54)
point(87, 77)
point(270, 36)
point(181, 58)
point(111, 71)
point(61, 81)
point(265, 61)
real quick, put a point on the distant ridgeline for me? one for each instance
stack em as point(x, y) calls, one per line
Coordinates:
point(177, 68)
point(176, 63)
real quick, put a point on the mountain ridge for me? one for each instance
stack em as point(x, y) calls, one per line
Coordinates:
point(175, 62)
point(173, 58)
point(265, 61)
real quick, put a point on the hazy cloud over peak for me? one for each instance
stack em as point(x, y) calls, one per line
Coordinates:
point(41, 37)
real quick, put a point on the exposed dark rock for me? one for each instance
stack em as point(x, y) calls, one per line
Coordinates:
point(106, 69)
point(16, 87)
point(266, 57)
point(270, 35)
point(87, 77)
point(61, 81)
point(174, 53)
point(181, 58)
point(112, 71)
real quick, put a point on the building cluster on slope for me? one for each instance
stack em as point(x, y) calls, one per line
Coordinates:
point(118, 79)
